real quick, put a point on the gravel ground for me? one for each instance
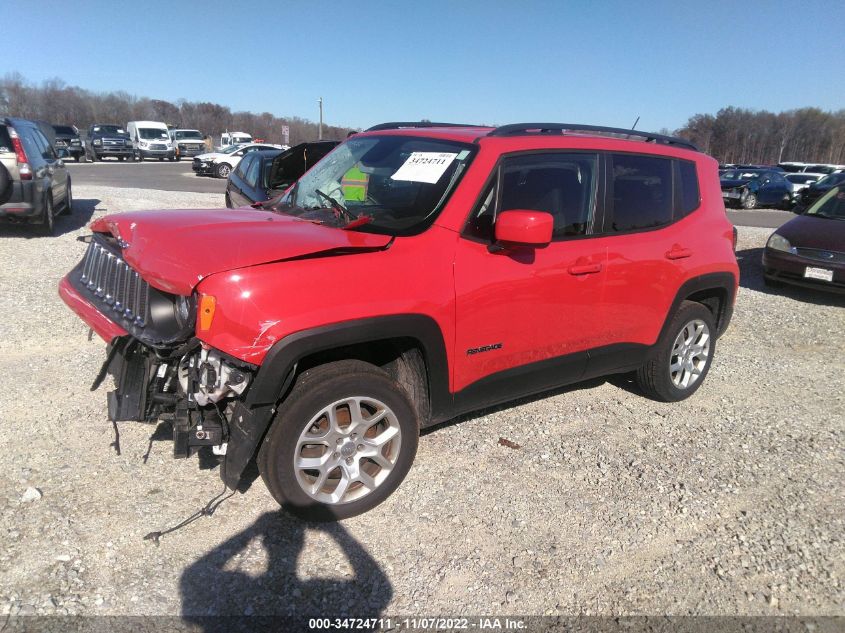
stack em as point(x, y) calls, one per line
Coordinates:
point(729, 503)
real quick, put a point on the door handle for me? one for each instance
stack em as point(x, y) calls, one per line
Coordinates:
point(676, 252)
point(584, 269)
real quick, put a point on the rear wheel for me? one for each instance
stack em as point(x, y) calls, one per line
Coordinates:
point(68, 207)
point(228, 201)
point(681, 359)
point(48, 220)
point(340, 443)
point(121, 158)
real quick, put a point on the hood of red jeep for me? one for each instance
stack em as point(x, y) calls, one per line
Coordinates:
point(174, 250)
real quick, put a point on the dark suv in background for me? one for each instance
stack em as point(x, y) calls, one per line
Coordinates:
point(67, 138)
point(106, 139)
point(40, 184)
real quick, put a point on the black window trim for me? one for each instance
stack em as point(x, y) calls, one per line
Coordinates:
point(495, 175)
point(608, 215)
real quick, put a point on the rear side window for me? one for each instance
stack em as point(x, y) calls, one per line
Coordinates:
point(690, 197)
point(5, 140)
point(642, 192)
point(251, 174)
point(243, 166)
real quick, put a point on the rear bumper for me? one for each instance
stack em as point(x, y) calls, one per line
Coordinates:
point(25, 203)
point(105, 328)
point(789, 268)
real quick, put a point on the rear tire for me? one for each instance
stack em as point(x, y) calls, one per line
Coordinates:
point(228, 201)
point(678, 364)
point(68, 206)
point(47, 228)
point(361, 462)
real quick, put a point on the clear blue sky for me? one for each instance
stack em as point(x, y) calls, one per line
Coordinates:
point(493, 61)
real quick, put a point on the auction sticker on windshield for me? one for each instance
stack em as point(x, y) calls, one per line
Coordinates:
point(424, 167)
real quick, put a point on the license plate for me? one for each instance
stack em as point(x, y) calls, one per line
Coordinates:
point(811, 272)
point(730, 194)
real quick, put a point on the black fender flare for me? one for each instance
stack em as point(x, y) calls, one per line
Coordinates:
point(723, 281)
point(274, 375)
point(251, 419)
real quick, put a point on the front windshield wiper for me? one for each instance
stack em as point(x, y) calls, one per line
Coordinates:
point(341, 210)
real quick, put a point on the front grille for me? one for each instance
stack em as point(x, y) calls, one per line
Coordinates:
point(821, 255)
point(118, 142)
point(156, 146)
point(112, 281)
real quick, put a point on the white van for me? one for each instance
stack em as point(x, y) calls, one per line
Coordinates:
point(150, 139)
point(234, 138)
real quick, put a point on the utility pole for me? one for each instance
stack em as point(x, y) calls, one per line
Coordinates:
point(320, 133)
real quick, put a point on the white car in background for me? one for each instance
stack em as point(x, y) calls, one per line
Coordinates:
point(222, 163)
point(800, 181)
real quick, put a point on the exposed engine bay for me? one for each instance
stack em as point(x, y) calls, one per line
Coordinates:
point(193, 387)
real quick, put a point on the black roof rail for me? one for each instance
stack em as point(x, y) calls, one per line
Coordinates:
point(518, 129)
point(398, 125)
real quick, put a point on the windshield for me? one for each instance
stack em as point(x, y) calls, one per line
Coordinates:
point(737, 174)
point(387, 184)
point(150, 133)
point(819, 169)
point(831, 205)
point(63, 129)
point(228, 149)
point(187, 134)
point(829, 181)
point(109, 129)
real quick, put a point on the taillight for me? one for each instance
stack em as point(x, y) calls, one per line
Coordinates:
point(24, 169)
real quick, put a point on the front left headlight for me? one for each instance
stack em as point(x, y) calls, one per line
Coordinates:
point(184, 310)
point(778, 242)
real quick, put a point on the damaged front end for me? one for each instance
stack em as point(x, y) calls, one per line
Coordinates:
point(193, 387)
point(161, 371)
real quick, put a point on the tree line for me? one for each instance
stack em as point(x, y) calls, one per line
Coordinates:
point(737, 135)
point(57, 103)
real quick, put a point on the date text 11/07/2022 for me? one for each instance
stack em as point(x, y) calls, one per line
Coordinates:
point(420, 624)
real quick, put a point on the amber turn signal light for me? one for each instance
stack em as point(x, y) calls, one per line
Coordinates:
point(206, 313)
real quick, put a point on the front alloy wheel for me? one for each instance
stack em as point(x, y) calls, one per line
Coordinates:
point(347, 450)
point(341, 442)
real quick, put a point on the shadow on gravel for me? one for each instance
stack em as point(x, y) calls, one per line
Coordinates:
point(215, 585)
point(751, 277)
point(82, 211)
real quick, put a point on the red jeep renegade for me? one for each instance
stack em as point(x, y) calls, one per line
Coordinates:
point(417, 272)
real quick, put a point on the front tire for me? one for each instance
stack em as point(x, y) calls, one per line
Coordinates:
point(223, 170)
point(340, 443)
point(678, 364)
